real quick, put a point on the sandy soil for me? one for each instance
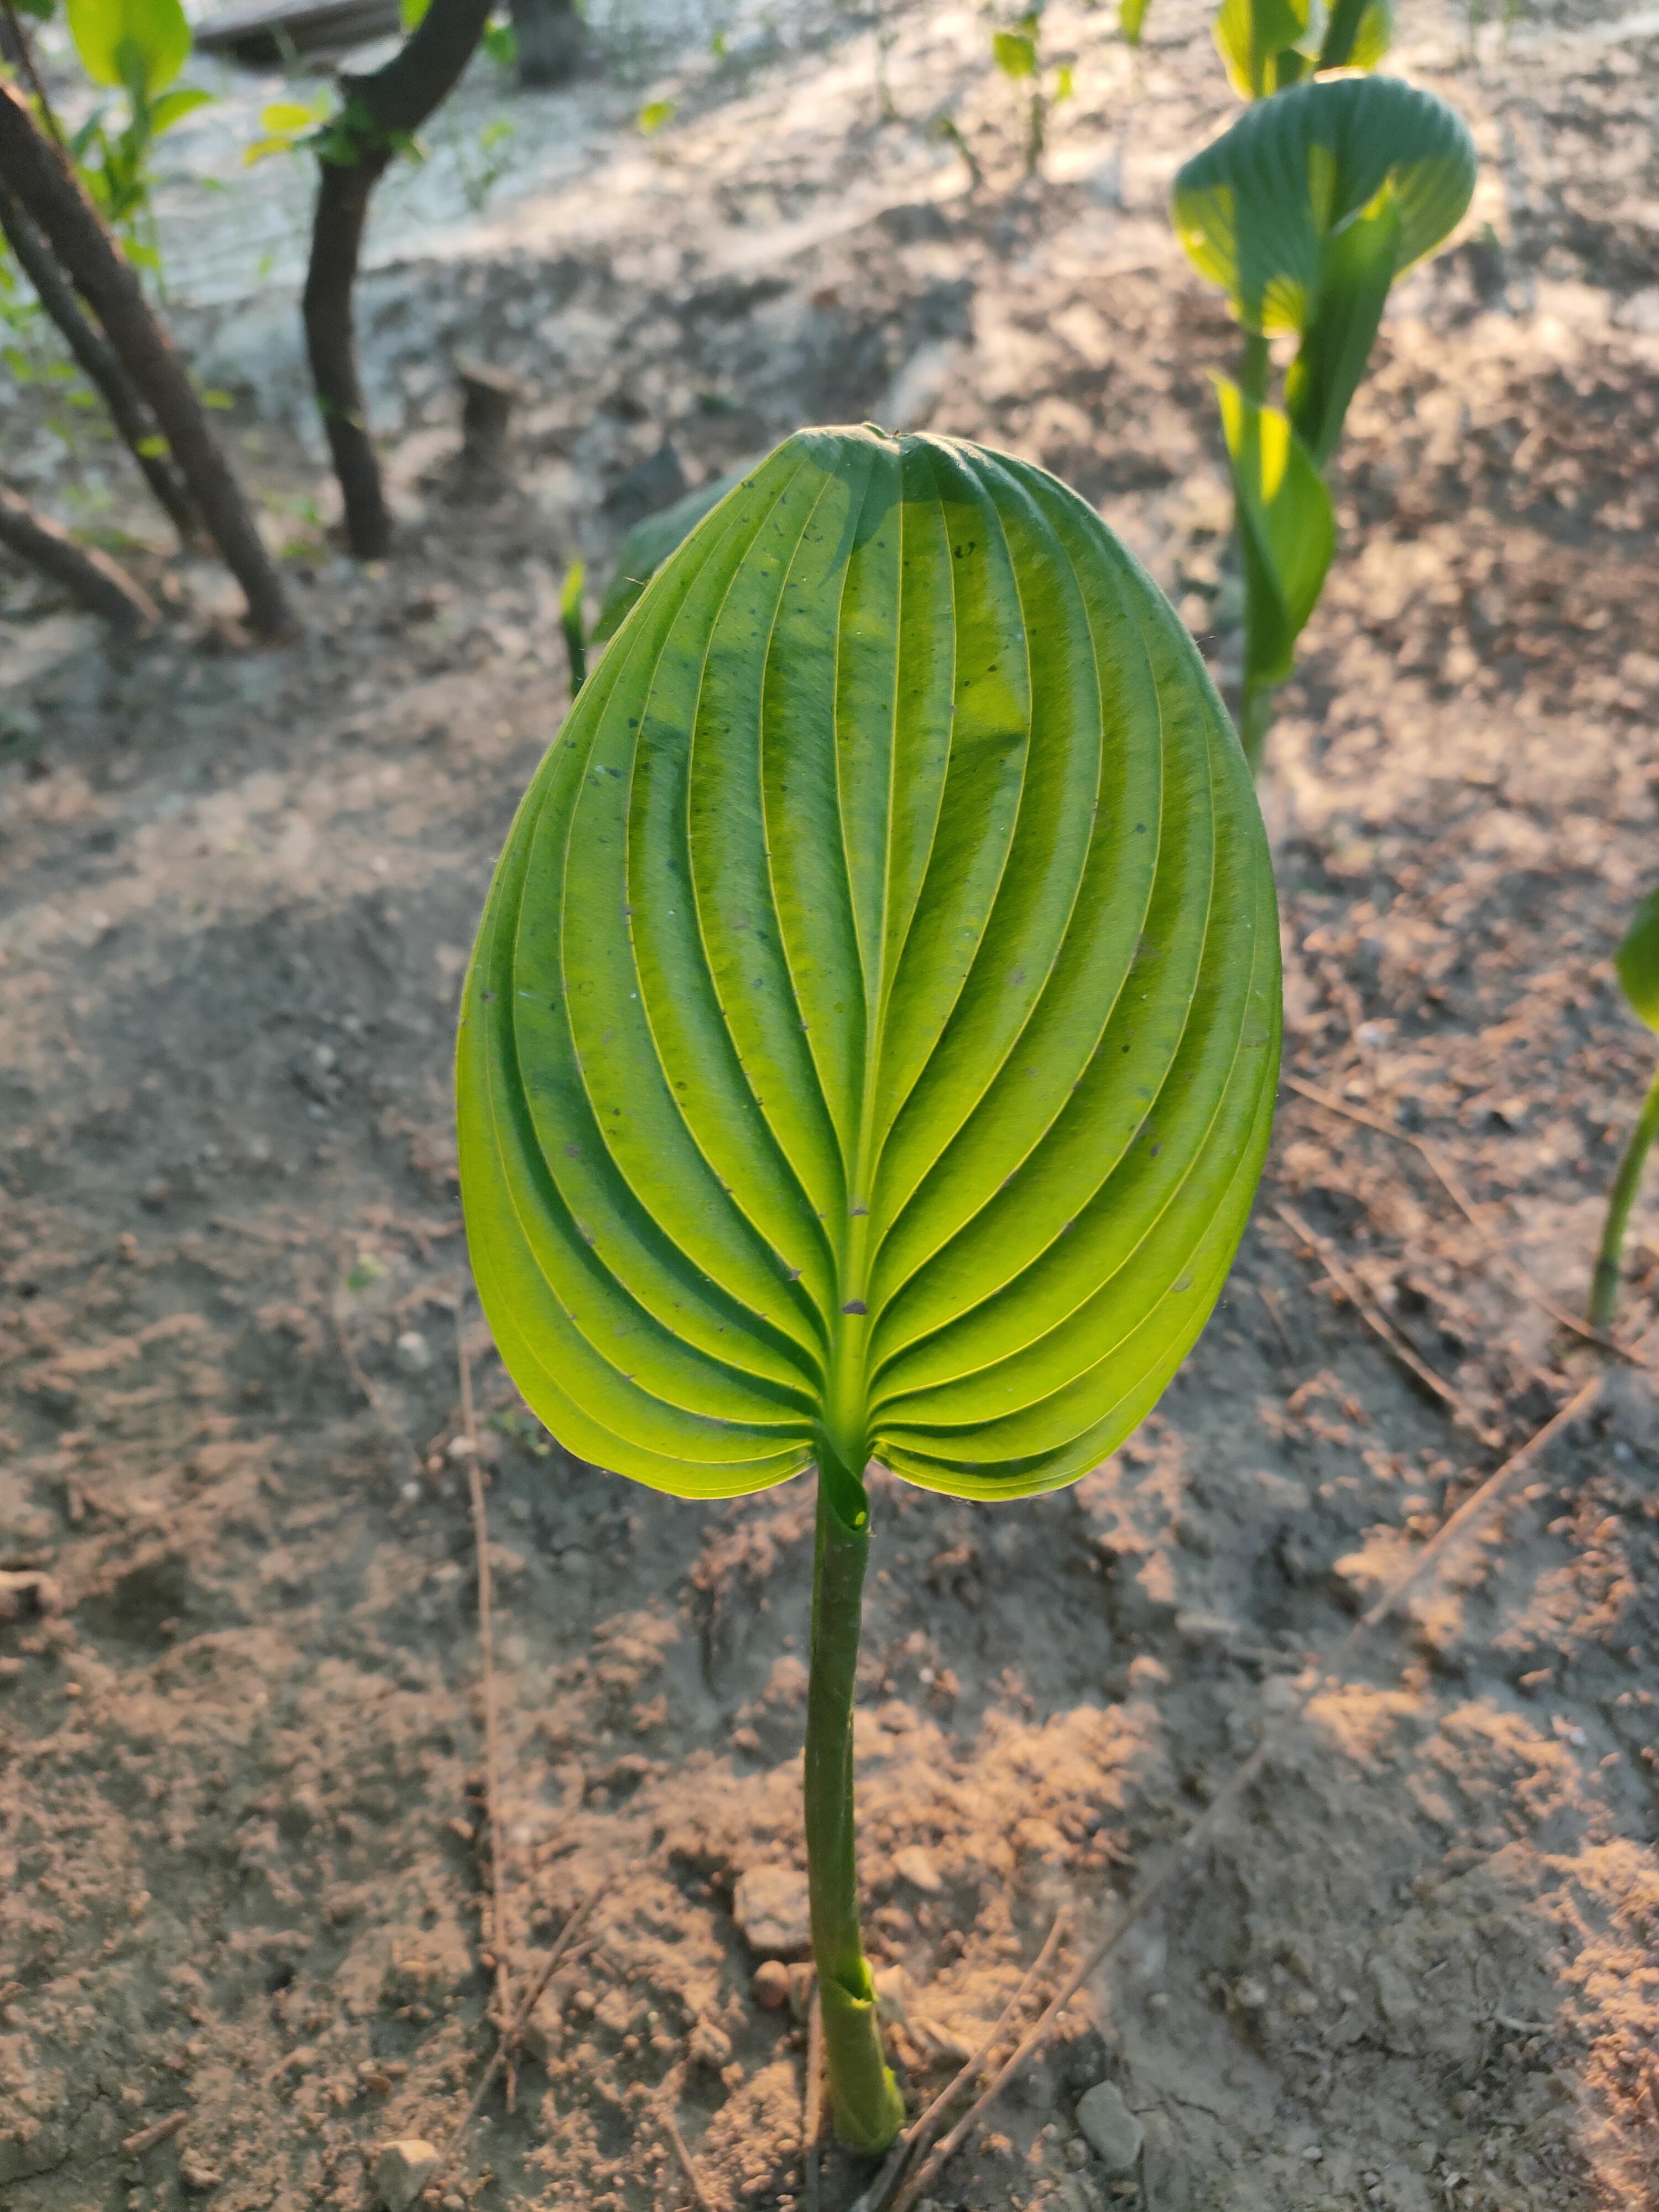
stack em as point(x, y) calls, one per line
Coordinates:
point(243, 1860)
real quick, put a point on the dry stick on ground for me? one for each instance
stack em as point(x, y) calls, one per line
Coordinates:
point(135, 2146)
point(52, 195)
point(98, 582)
point(382, 112)
point(98, 362)
point(667, 2095)
point(560, 1954)
point(500, 1940)
point(921, 2134)
point(1376, 1320)
point(1465, 1205)
point(1151, 1891)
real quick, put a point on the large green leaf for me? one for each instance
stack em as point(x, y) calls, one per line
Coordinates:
point(1257, 40)
point(1286, 529)
point(1638, 961)
point(139, 44)
point(1255, 209)
point(872, 1032)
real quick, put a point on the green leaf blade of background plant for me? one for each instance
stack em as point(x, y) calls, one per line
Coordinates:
point(154, 30)
point(1356, 268)
point(1254, 209)
point(1638, 961)
point(1132, 19)
point(826, 916)
point(1251, 34)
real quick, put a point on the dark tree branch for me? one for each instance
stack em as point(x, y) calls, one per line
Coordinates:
point(97, 361)
point(51, 194)
point(96, 581)
point(381, 110)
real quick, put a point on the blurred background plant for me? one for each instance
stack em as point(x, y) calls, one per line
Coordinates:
point(1018, 52)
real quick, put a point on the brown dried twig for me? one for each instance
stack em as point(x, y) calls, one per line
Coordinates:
point(666, 2097)
point(135, 2146)
point(560, 1954)
point(500, 1938)
point(1527, 1284)
point(1154, 1888)
point(922, 2134)
point(1375, 1319)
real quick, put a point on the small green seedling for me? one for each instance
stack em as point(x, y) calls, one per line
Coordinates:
point(1017, 53)
point(1637, 961)
point(870, 1045)
point(1267, 45)
point(1305, 211)
point(137, 47)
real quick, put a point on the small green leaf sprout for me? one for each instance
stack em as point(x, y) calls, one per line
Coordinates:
point(1017, 53)
point(654, 115)
point(1305, 211)
point(1638, 961)
point(136, 47)
point(761, 1170)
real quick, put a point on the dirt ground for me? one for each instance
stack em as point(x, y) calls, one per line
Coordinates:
point(243, 1858)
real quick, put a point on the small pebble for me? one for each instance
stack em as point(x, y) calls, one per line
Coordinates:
point(461, 1448)
point(771, 1984)
point(413, 1354)
point(1111, 2127)
point(402, 2171)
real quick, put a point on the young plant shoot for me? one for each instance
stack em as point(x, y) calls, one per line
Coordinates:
point(871, 1041)
point(1637, 961)
point(1305, 211)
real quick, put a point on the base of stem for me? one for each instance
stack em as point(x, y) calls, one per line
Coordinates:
point(869, 2111)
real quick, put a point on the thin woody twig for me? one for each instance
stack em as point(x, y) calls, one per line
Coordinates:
point(1460, 1198)
point(667, 2095)
point(1378, 1321)
point(500, 1940)
point(135, 2146)
point(561, 1951)
point(26, 60)
point(1153, 1889)
point(921, 2134)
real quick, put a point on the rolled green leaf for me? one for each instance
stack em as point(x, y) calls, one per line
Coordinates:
point(1356, 268)
point(1638, 961)
point(1254, 209)
point(1357, 33)
point(1257, 41)
point(1287, 534)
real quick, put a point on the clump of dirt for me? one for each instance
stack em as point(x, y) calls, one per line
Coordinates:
point(241, 1826)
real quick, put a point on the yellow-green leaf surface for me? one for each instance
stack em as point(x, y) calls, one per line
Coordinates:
point(872, 1031)
point(1132, 19)
point(1638, 961)
point(1256, 208)
point(1256, 40)
point(131, 42)
point(1357, 33)
point(1287, 530)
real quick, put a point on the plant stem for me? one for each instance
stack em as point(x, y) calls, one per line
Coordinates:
point(1255, 717)
point(96, 581)
point(1604, 1284)
point(868, 2108)
point(1253, 375)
